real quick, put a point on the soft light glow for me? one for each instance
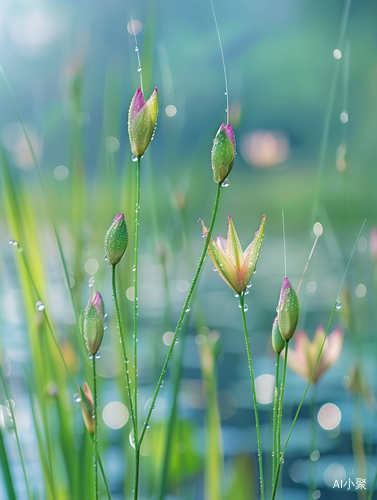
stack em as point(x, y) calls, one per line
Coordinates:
point(170, 110)
point(130, 293)
point(265, 148)
point(112, 144)
point(115, 415)
point(334, 472)
point(182, 286)
point(317, 229)
point(362, 244)
point(264, 387)
point(343, 117)
point(329, 416)
point(311, 286)
point(134, 27)
point(337, 54)
point(200, 339)
point(167, 338)
point(91, 266)
point(360, 291)
point(61, 172)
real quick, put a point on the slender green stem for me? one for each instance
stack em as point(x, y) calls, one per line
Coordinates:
point(281, 400)
point(15, 431)
point(183, 312)
point(312, 441)
point(95, 437)
point(242, 306)
point(274, 420)
point(301, 402)
point(104, 477)
point(373, 486)
point(122, 343)
point(134, 269)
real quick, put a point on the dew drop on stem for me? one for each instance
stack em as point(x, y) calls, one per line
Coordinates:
point(98, 355)
point(39, 306)
point(76, 397)
point(225, 183)
point(338, 305)
point(134, 158)
point(91, 282)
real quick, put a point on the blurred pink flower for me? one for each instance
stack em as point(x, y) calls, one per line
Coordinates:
point(373, 244)
point(303, 357)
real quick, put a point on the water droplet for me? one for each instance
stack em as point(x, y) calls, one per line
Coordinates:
point(249, 285)
point(338, 305)
point(226, 93)
point(203, 235)
point(76, 397)
point(214, 269)
point(106, 257)
point(245, 307)
point(98, 355)
point(133, 268)
point(11, 241)
point(188, 309)
point(20, 249)
point(236, 294)
point(39, 306)
point(134, 158)
point(136, 49)
point(246, 292)
point(90, 355)
point(199, 220)
point(148, 426)
point(139, 69)
point(225, 183)
point(91, 282)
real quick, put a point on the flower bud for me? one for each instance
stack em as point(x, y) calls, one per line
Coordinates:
point(223, 152)
point(86, 401)
point(142, 118)
point(116, 240)
point(94, 323)
point(278, 343)
point(288, 310)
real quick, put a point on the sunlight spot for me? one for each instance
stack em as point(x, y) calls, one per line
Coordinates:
point(329, 416)
point(167, 338)
point(182, 286)
point(61, 172)
point(362, 244)
point(115, 415)
point(360, 291)
point(311, 286)
point(130, 293)
point(134, 27)
point(317, 229)
point(264, 387)
point(343, 117)
point(170, 110)
point(91, 266)
point(112, 144)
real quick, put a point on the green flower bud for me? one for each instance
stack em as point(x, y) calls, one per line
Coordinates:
point(116, 240)
point(142, 119)
point(223, 152)
point(278, 343)
point(94, 323)
point(288, 310)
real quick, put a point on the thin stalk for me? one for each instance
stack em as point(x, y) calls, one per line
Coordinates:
point(95, 437)
point(104, 477)
point(122, 343)
point(136, 251)
point(274, 420)
point(183, 312)
point(134, 269)
point(242, 304)
point(373, 486)
point(301, 403)
point(15, 431)
point(281, 401)
point(312, 441)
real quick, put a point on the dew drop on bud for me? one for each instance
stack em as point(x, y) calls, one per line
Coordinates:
point(338, 305)
point(202, 235)
point(214, 269)
point(39, 306)
point(134, 158)
point(91, 282)
point(245, 307)
point(76, 397)
point(90, 355)
point(98, 355)
point(225, 183)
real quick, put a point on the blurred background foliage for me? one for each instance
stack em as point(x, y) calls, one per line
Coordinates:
point(72, 68)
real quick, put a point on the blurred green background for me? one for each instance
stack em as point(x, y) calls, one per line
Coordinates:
point(305, 119)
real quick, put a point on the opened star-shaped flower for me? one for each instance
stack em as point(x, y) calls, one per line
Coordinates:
point(235, 266)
